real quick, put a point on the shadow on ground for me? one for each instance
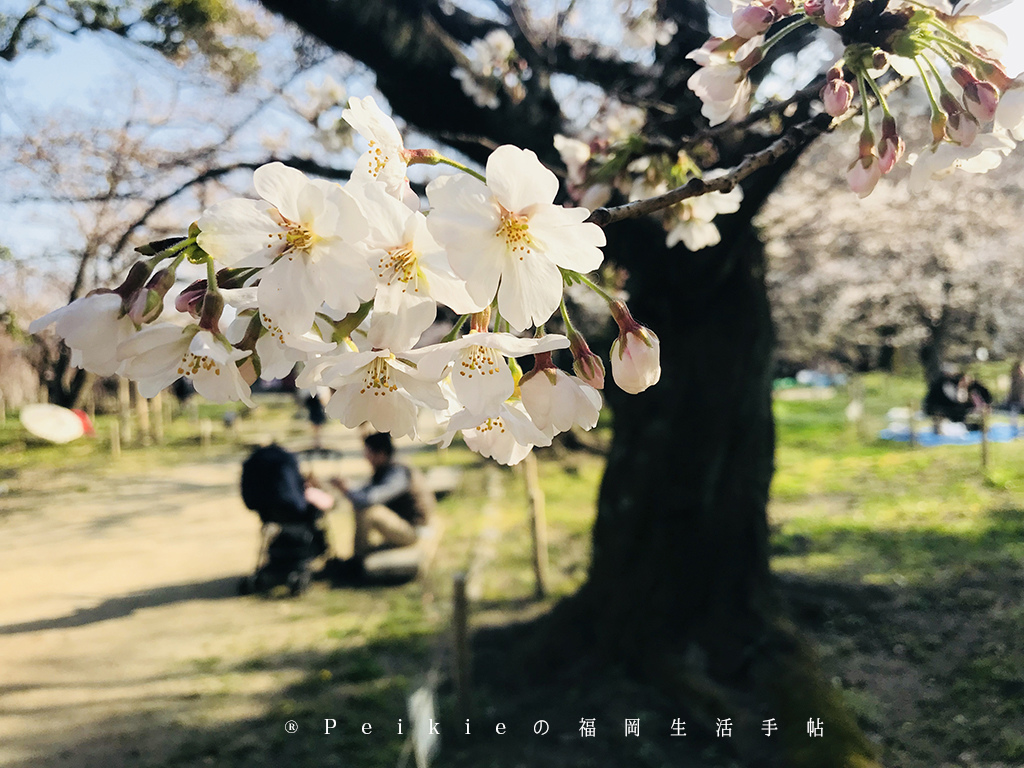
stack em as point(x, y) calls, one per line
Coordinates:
point(350, 686)
point(118, 607)
point(932, 667)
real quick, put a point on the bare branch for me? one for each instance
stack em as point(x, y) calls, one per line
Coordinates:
point(795, 138)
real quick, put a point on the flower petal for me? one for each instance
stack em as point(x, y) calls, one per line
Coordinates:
point(565, 239)
point(531, 287)
point(281, 186)
point(238, 231)
point(518, 179)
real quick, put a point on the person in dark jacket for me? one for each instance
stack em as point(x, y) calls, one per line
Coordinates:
point(393, 505)
point(958, 398)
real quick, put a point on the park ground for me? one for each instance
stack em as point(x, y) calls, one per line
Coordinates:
point(123, 643)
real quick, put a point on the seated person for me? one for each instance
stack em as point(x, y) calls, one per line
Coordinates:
point(956, 397)
point(392, 506)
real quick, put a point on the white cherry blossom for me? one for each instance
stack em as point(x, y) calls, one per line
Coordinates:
point(1010, 110)
point(160, 354)
point(557, 401)
point(480, 376)
point(508, 236)
point(302, 233)
point(723, 88)
point(382, 388)
point(507, 436)
point(92, 327)
point(966, 22)
point(412, 271)
point(938, 162)
point(385, 161)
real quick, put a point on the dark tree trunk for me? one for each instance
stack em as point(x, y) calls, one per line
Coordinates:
point(679, 585)
point(932, 352)
point(681, 539)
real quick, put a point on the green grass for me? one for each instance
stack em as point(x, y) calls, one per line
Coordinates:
point(913, 558)
point(933, 665)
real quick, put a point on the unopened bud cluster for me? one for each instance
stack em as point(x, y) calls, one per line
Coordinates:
point(977, 110)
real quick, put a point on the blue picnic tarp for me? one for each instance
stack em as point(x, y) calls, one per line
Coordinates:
point(997, 433)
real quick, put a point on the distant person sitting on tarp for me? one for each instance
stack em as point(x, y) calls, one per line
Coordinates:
point(958, 398)
point(392, 506)
point(1015, 398)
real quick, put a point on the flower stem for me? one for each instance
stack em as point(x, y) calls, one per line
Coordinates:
point(433, 157)
point(179, 247)
point(928, 87)
point(464, 168)
point(791, 27)
point(879, 95)
point(862, 87)
point(931, 65)
point(453, 334)
point(594, 287)
point(211, 277)
point(570, 331)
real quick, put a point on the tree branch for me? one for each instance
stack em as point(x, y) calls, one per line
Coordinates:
point(795, 138)
point(413, 57)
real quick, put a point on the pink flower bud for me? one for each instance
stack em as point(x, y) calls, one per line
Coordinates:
point(864, 174)
point(636, 353)
point(837, 12)
point(962, 128)
point(586, 365)
point(837, 96)
point(753, 20)
point(981, 100)
point(814, 8)
point(783, 7)
point(891, 146)
point(135, 279)
point(189, 299)
point(146, 306)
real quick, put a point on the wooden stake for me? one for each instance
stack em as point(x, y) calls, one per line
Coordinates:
point(460, 625)
point(156, 413)
point(910, 422)
point(984, 440)
point(90, 401)
point(124, 414)
point(538, 525)
point(115, 439)
point(142, 415)
point(205, 433)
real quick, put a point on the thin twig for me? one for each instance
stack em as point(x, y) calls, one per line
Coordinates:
point(796, 137)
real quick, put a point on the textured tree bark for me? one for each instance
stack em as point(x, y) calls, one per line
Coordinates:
point(681, 539)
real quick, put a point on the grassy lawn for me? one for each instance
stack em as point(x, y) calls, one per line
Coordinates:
point(904, 565)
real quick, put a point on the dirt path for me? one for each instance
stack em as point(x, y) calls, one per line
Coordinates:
point(119, 612)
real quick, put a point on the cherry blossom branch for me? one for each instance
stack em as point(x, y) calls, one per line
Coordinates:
point(796, 137)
